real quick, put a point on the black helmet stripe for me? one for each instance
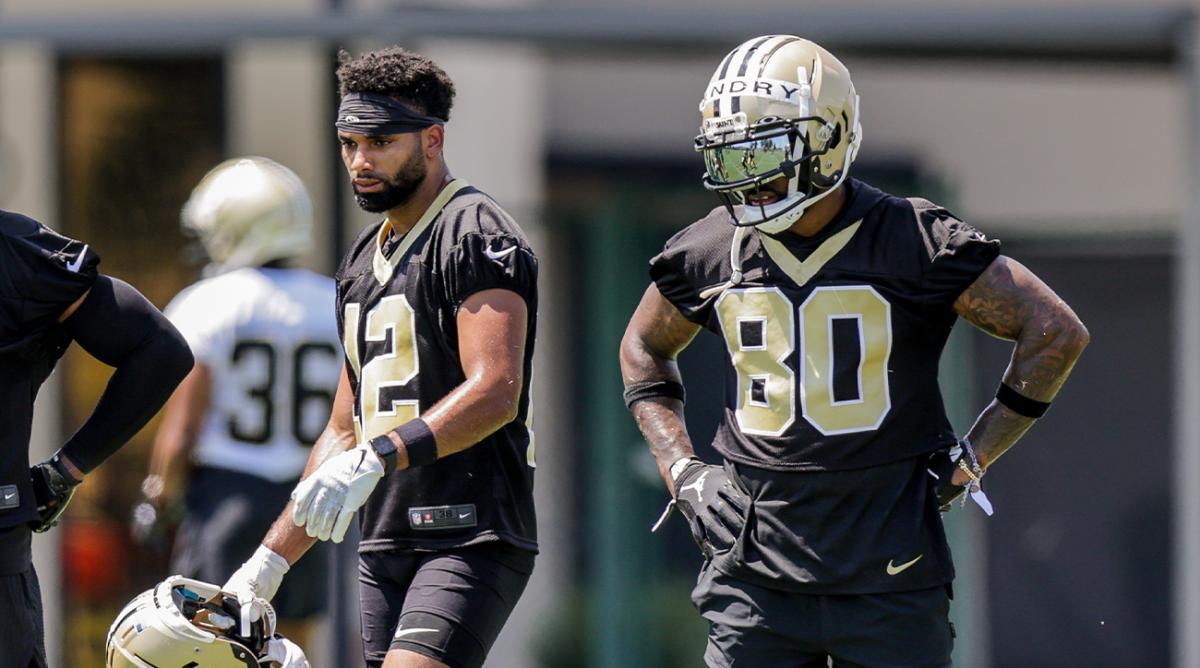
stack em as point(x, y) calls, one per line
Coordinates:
point(762, 64)
point(735, 101)
point(724, 67)
point(738, 55)
point(724, 70)
point(745, 64)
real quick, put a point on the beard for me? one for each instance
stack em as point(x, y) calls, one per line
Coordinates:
point(397, 189)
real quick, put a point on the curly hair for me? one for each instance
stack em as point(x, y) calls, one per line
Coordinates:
point(404, 75)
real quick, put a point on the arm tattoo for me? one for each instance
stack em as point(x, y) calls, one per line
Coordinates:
point(1009, 302)
point(655, 336)
point(661, 423)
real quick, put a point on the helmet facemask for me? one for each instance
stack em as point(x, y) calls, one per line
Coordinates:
point(739, 164)
point(183, 620)
point(795, 119)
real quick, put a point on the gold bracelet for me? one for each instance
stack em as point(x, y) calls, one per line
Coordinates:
point(966, 468)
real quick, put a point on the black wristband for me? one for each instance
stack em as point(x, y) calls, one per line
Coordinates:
point(1020, 404)
point(654, 388)
point(386, 449)
point(418, 442)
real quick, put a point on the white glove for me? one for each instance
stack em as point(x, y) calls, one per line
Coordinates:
point(258, 578)
point(326, 501)
point(283, 653)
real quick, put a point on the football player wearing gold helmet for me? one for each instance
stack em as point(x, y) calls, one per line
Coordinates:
point(834, 301)
point(237, 433)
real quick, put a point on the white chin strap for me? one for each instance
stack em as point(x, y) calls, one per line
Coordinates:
point(777, 216)
point(791, 207)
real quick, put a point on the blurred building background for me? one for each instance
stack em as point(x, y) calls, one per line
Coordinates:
point(1066, 128)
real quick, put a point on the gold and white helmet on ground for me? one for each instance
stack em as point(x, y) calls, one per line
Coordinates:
point(778, 106)
point(250, 211)
point(184, 622)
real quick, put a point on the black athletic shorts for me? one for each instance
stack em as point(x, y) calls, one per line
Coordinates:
point(22, 634)
point(227, 516)
point(448, 605)
point(754, 626)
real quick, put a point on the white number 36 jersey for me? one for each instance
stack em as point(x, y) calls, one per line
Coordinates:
point(268, 338)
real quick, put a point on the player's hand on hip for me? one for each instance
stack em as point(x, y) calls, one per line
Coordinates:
point(283, 653)
point(53, 487)
point(940, 468)
point(714, 505)
point(325, 502)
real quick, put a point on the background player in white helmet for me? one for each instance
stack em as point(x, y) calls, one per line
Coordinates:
point(237, 433)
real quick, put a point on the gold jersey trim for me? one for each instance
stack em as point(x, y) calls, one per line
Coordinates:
point(802, 271)
point(384, 266)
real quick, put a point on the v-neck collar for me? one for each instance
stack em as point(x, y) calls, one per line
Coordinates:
point(825, 244)
point(802, 271)
point(385, 265)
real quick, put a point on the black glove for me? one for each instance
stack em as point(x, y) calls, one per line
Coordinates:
point(943, 465)
point(53, 487)
point(941, 468)
point(713, 504)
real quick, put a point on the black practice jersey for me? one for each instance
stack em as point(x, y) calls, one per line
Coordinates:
point(398, 315)
point(833, 344)
point(41, 274)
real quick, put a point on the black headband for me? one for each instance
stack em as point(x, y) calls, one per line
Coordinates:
point(375, 114)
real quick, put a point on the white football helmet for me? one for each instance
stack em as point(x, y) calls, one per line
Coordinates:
point(184, 622)
point(249, 211)
point(778, 106)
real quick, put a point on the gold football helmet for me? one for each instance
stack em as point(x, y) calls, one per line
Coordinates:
point(187, 622)
point(777, 106)
point(249, 211)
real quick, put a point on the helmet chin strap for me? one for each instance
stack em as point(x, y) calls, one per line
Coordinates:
point(735, 260)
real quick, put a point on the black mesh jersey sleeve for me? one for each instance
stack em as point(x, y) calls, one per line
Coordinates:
point(41, 274)
point(957, 252)
point(482, 261)
point(693, 260)
point(481, 248)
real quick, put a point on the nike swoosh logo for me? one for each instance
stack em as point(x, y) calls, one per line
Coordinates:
point(499, 255)
point(896, 570)
point(405, 632)
point(74, 267)
point(10, 497)
point(465, 516)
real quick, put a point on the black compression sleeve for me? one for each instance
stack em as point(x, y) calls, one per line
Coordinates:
point(118, 326)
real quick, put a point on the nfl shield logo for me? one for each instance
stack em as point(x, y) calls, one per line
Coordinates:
point(416, 518)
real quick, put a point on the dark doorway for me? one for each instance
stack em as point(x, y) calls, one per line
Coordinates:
point(1079, 549)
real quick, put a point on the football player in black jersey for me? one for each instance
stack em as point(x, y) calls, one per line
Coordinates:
point(821, 528)
point(430, 432)
point(51, 293)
